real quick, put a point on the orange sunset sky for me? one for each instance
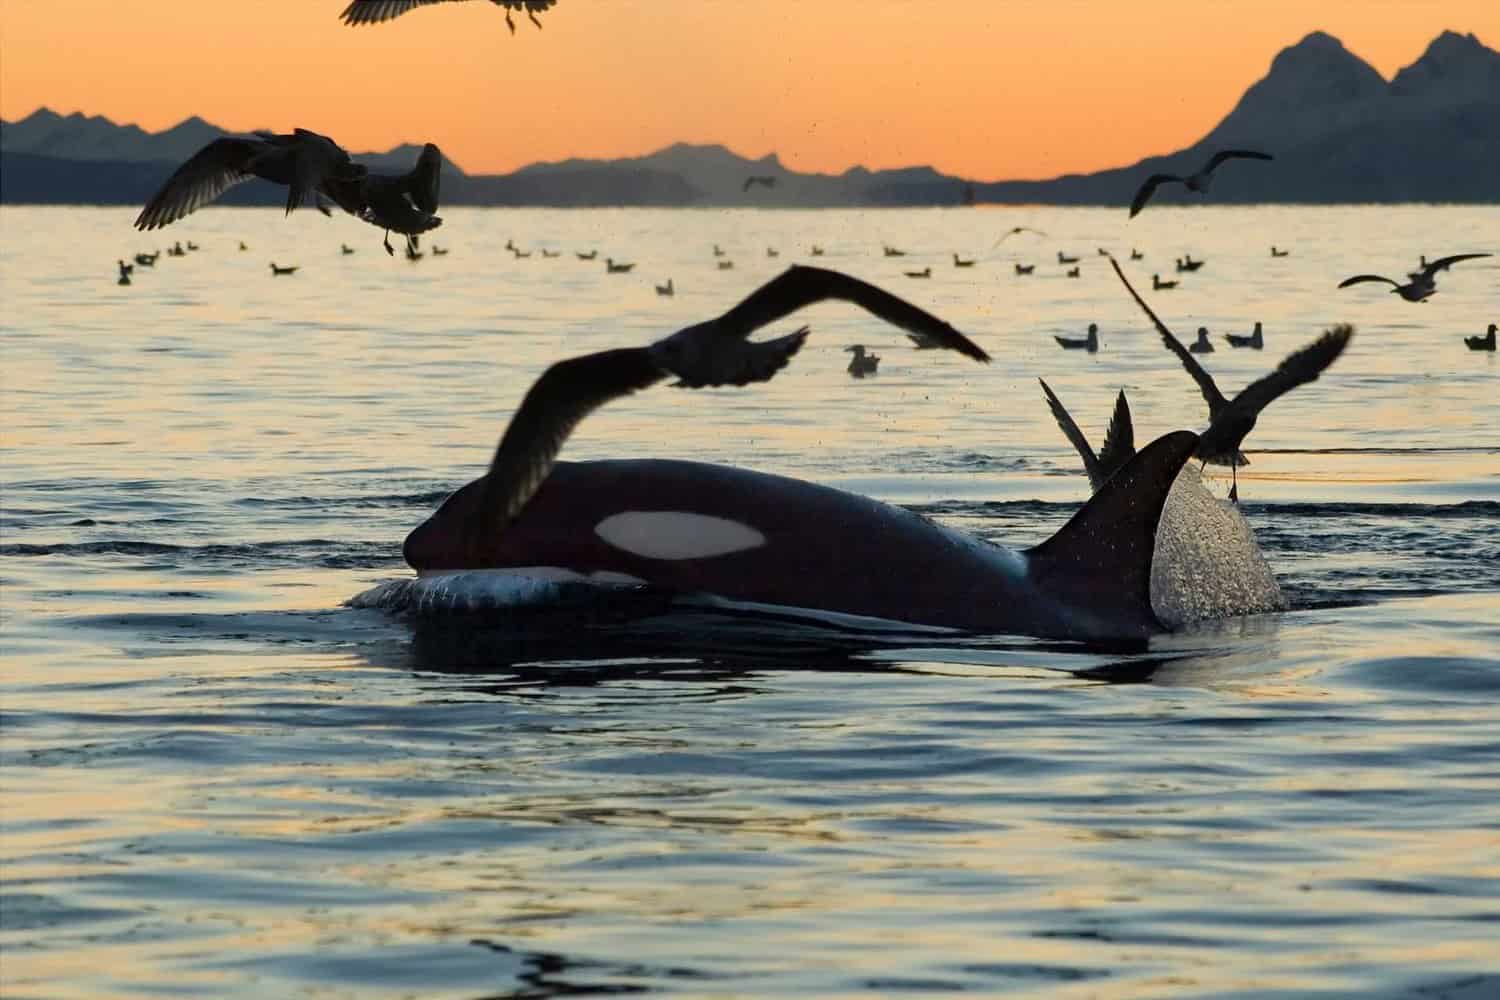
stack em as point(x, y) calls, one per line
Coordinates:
point(981, 88)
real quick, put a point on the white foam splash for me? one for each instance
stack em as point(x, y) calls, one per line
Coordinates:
point(480, 590)
point(1207, 565)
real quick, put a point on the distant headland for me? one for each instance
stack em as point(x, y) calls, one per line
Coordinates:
point(1339, 130)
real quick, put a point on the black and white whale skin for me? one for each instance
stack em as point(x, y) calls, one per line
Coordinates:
point(695, 528)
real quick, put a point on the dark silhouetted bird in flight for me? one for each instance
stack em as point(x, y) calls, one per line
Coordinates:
point(1193, 182)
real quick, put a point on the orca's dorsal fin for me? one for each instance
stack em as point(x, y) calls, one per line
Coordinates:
point(1099, 563)
point(1119, 441)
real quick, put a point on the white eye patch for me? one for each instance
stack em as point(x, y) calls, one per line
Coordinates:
point(670, 534)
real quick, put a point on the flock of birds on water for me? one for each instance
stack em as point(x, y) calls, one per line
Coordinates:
point(316, 170)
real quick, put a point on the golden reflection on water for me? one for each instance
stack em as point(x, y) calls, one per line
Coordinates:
point(208, 739)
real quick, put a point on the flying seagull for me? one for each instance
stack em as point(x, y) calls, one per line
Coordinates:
point(405, 203)
point(375, 11)
point(304, 161)
point(716, 352)
point(1014, 230)
point(1194, 182)
point(1230, 420)
point(1119, 440)
point(1422, 284)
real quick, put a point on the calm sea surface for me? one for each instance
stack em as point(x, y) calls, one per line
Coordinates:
point(217, 780)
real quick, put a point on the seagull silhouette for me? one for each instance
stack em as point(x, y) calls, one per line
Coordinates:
point(304, 161)
point(1193, 182)
point(375, 11)
point(1119, 439)
point(1231, 420)
point(1422, 284)
point(716, 352)
point(1015, 230)
point(404, 203)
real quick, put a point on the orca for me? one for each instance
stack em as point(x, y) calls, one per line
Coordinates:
point(699, 529)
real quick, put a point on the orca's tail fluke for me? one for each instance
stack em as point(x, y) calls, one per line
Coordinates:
point(1100, 561)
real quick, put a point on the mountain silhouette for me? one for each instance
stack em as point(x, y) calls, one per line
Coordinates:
point(1340, 132)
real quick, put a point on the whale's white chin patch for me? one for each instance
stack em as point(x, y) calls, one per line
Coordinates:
point(672, 534)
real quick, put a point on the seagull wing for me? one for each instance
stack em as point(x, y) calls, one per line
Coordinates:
point(1072, 432)
point(720, 360)
point(1234, 154)
point(1295, 369)
point(565, 394)
point(1358, 278)
point(375, 11)
point(1148, 189)
point(315, 158)
point(210, 172)
point(425, 179)
point(1119, 441)
point(1443, 263)
point(800, 286)
point(1211, 393)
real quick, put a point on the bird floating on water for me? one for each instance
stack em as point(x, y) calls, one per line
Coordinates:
point(547, 254)
point(1136, 254)
point(726, 265)
point(1231, 420)
point(242, 245)
point(1157, 285)
point(1193, 182)
point(345, 249)
point(1188, 264)
point(1025, 268)
point(862, 364)
point(1279, 253)
point(438, 251)
point(816, 250)
point(772, 252)
point(1063, 258)
point(1422, 284)
point(926, 272)
point(891, 251)
point(1485, 343)
point(1202, 345)
point(278, 270)
point(610, 267)
point(962, 262)
point(375, 11)
point(666, 289)
point(125, 270)
point(587, 256)
point(1253, 340)
point(1089, 343)
point(1072, 272)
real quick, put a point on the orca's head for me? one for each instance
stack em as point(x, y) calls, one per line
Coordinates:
point(455, 536)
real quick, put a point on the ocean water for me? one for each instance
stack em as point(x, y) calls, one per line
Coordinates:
point(217, 779)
